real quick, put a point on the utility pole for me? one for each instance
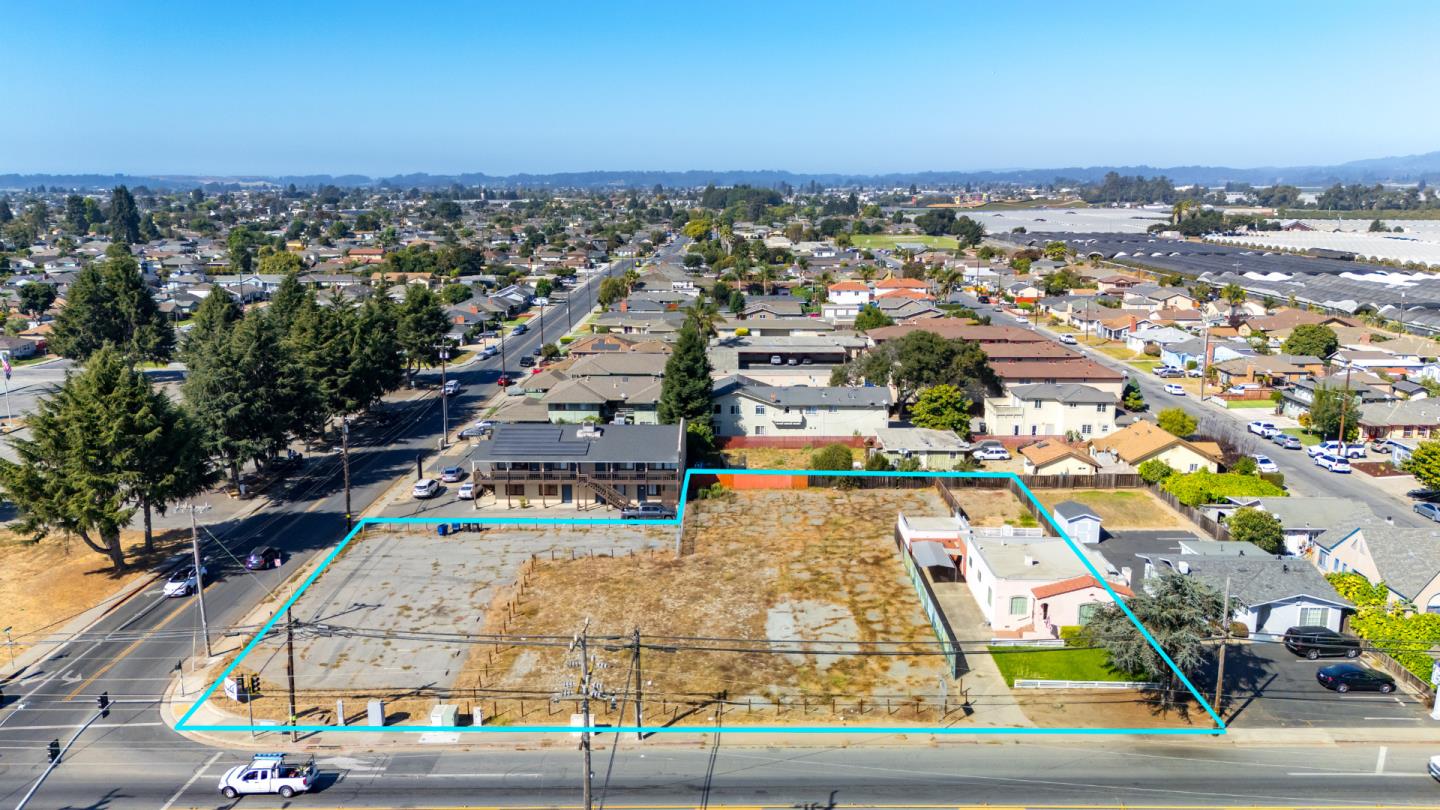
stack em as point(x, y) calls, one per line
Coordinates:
point(1204, 362)
point(199, 573)
point(444, 395)
point(1224, 646)
point(290, 670)
point(542, 326)
point(1344, 406)
point(586, 795)
point(345, 466)
point(639, 686)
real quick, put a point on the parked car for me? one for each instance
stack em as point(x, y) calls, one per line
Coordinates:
point(262, 557)
point(1068, 340)
point(776, 360)
point(1320, 642)
point(182, 582)
point(1380, 446)
point(1286, 441)
point(519, 329)
point(1334, 464)
point(425, 488)
point(452, 387)
point(1345, 677)
point(539, 351)
point(991, 453)
point(452, 474)
point(1428, 510)
point(1168, 371)
point(503, 381)
point(1261, 428)
point(1335, 448)
point(1423, 494)
point(527, 361)
point(481, 428)
point(465, 491)
point(1194, 372)
point(1174, 389)
point(1264, 464)
point(541, 302)
point(648, 511)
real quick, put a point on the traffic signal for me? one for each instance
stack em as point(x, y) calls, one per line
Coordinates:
point(254, 683)
point(103, 703)
point(54, 750)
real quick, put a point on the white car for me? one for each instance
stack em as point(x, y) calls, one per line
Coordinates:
point(425, 488)
point(466, 491)
point(992, 453)
point(1174, 389)
point(541, 302)
point(182, 581)
point(1264, 429)
point(452, 387)
point(1335, 464)
point(1068, 340)
point(1435, 766)
point(1335, 448)
point(1023, 319)
point(1264, 464)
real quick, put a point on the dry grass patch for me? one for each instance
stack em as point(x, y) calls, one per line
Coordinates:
point(805, 564)
point(1119, 508)
point(772, 458)
point(993, 507)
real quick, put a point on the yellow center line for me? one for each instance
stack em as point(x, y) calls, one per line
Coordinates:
point(123, 653)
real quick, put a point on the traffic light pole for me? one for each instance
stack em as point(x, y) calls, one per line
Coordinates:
point(59, 755)
point(199, 575)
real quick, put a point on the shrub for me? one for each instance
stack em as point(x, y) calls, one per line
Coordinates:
point(1194, 489)
point(1255, 526)
point(1152, 350)
point(833, 457)
point(742, 331)
point(1176, 422)
point(1244, 465)
point(1074, 636)
point(1154, 471)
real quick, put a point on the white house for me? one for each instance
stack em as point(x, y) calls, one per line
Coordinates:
point(747, 407)
point(844, 300)
point(1045, 409)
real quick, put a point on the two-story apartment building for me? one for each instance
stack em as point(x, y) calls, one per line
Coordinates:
point(1045, 409)
point(748, 407)
point(587, 465)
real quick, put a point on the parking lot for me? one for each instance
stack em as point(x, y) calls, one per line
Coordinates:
point(1267, 686)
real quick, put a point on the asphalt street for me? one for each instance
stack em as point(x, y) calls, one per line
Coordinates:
point(131, 652)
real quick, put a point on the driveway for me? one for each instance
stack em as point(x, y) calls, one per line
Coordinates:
point(1267, 686)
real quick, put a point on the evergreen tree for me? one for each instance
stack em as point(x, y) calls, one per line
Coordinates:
point(5, 213)
point(287, 300)
point(109, 303)
point(124, 217)
point(214, 318)
point(421, 327)
point(70, 475)
point(88, 320)
point(686, 389)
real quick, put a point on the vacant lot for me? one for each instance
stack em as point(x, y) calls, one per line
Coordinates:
point(888, 241)
point(1119, 508)
point(1056, 663)
point(993, 507)
point(771, 458)
point(813, 571)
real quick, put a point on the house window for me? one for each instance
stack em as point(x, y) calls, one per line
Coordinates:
point(1315, 617)
point(811, 410)
point(549, 490)
point(1085, 430)
point(759, 430)
point(734, 410)
point(717, 408)
point(1100, 408)
point(1019, 606)
point(1073, 404)
point(1087, 612)
point(1194, 467)
point(759, 410)
point(989, 597)
point(515, 490)
point(834, 409)
point(1034, 430)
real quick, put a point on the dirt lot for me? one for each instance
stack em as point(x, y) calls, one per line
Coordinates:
point(1120, 508)
point(770, 458)
point(817, 565)
point(994, 507)
point(48, 583)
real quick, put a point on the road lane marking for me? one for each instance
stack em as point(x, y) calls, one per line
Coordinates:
point(81, 725)
point(198, 773)
point(128, 649)
point(1380, 760)
point(1359, 774)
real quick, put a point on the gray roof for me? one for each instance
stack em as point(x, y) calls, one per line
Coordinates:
point(1261, 580)
point(1302, 512)
point(1404, 412)
point(801, 396)
point(1069, 510)
point(1063, 392)
point(1407, 559)
point(654, 444)
point(924, 440)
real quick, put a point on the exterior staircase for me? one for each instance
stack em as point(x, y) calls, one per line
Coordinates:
point(607, 493)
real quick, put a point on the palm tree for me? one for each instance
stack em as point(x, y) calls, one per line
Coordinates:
point(866, 273)
point(821, 288)
point(704, 314)
point(1269, 303)
point(1234, 295)
point(767, 277)
point(631, 276)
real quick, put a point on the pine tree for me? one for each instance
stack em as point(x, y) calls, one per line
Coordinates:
point(109, 303)
point(88, 320)
point(124, 217)
point(288, 299)
point(686, 389)
point(421, 326)
point(71, 473)
point(214, 319)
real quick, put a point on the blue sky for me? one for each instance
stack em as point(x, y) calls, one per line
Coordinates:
point(502, 87)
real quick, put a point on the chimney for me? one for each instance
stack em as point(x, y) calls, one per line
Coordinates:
point(1132, 323)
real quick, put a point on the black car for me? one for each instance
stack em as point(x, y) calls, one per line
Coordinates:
point(527, 361)
point(1344, 677)
point(1318, 642)
point(263, 557)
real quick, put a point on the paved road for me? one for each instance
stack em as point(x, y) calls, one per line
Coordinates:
point(740, 774)
point(130, 653)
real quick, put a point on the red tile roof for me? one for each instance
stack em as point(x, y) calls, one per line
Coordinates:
point(848, 285)
point(1073, 584)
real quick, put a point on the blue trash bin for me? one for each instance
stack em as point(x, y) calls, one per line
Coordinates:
point(443, 529)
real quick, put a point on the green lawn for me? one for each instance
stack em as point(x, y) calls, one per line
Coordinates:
point(880, 240)
point(1306, 439)
point(1250, 403)
point(1056, 663)
point(1145, 365)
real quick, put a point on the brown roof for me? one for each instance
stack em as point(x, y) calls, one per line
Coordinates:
point(1073, 584)
point(1291, 318)
point(1042, 453)
point(1030, 351)
point(1141, 440)
point(1078, 370)
point(958, 328)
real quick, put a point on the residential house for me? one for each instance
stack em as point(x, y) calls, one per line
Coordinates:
point(1158, 337)
point(959, 328)
point(1274, 594)
point(1406, 560)
point(1082, 371)
point(1182, 354)
point(1116, 284)
point(902, 308)
point(781, 361)
point(1287, 319)
point(932, 449)
point(1401, 420)
point(1141, 441)
point(1303, 519)
point(774, 327)
point(747, 407)
point(762, 307)
point(1055, 457)
point(615, 344)
point(844, 300)
point(1046, 409)
point(588, 465)
point(1272, 370)
point(1299, 395)
point(657, 324)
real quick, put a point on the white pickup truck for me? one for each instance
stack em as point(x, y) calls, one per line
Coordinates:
point(268, 773)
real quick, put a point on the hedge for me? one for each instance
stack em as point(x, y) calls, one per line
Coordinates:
point(1197, 488)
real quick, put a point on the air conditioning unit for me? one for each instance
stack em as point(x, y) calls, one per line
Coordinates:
point(589, 432)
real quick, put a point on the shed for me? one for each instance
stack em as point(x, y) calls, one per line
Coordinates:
point(1079, 521)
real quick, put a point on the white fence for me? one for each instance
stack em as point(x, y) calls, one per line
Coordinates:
point(1040, 684)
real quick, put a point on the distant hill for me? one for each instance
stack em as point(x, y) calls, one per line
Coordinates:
point(1404, 169)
